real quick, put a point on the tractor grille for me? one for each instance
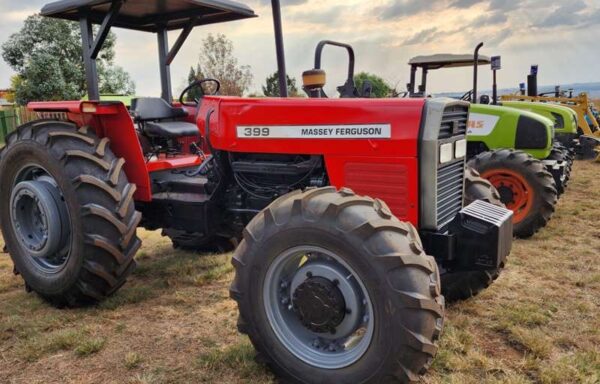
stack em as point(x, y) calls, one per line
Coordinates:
point(449, 192)
point(454, 122)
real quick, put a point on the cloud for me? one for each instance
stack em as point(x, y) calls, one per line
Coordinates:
point(507, 5)
point(425, 36)
point(464, 4)
point(500, 37)
point(490, 19)
point(566, 14)
point(401, 8)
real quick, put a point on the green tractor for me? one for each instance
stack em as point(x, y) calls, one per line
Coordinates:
point(512, 148)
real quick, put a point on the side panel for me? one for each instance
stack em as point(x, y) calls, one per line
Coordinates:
point(370, 146)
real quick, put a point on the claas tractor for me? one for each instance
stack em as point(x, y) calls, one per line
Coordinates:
point(348, 210)
point(587, 136)
point(511, 148)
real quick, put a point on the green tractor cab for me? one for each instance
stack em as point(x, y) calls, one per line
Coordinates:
point(565, 119)
point(510, 147)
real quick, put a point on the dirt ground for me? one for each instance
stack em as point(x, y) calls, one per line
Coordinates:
point(174, 323)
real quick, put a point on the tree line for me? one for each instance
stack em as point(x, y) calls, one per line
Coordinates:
point(46, 55)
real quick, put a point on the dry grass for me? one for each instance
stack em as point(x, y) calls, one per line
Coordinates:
point(174, 323)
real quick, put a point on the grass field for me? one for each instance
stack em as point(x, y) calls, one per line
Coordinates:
point(174, 323)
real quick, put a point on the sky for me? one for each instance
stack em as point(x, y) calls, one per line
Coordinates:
point(561, 36)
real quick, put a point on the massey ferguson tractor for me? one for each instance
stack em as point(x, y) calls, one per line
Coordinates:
point(511, 148)
point(349, 209)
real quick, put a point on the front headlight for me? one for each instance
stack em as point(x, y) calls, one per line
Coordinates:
point(460, 149)
point(446, 153)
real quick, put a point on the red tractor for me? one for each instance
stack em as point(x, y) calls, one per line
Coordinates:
point(331, 286)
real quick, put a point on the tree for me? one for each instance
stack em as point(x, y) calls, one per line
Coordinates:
point(46, 54)
point(194, 93)
point(271, 87)
point(218, 62)
point(381, 88)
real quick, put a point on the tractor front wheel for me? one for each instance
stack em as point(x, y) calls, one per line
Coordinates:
point(462, 285)
point(67, 213)
point(332, 288)
point(524, 185)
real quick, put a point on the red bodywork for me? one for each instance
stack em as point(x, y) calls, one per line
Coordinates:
point(381, 168)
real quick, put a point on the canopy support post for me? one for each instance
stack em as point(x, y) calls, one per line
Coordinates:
point(109, 19)
point(283, 89)
point(165, 68)
point(185, 33)
point(91, 70)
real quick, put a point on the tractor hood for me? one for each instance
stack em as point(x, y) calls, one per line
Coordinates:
point(565, 119)
point(502, 127)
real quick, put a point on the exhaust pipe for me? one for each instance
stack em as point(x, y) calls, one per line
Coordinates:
point(532, 84)
point(475, 73)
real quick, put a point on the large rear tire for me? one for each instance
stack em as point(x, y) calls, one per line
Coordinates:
point(298, 314)
point(67, 213)
point(524, 184)
point(463, 285)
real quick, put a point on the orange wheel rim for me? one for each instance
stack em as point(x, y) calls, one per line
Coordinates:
point(515, 192)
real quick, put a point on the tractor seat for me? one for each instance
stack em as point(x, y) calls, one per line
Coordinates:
point(160, 119)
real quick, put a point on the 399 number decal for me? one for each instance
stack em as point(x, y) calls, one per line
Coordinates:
point(256, 132)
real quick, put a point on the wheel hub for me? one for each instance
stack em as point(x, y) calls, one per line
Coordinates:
point(318, 307)
point(39, 219)
point(320, 304)
point(506, 194)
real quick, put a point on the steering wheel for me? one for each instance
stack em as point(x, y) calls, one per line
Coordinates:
point(200, 85)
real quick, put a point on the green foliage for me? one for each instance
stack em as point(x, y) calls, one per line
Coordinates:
point(381, 88)
point(194, 93)
point(46, 54)
point(271, 87)
point(217, 61)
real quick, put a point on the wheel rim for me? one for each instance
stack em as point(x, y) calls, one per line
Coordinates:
point(515, 192)
point(318, 307)
point(40, 219)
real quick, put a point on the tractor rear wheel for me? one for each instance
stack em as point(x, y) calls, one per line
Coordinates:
point(463, 285)
point(331, 287)
point(67, 213)
point(194, 242)
point(524, 184)
point(561, 153)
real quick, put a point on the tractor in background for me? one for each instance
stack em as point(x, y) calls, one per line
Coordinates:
point(348, 209)
point(587, 135)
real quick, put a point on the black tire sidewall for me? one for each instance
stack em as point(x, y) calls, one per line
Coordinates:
point(381, 346)
point(15, 158)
